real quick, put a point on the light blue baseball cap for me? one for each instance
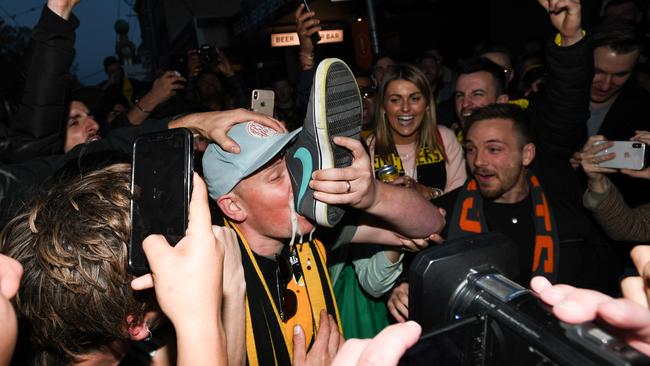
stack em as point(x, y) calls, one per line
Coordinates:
point(258, 145)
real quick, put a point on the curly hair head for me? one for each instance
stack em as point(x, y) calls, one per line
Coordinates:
point(72, 243)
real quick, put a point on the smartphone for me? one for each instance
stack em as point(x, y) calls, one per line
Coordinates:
point(262, 101)
point(178, 63)
point(161, 186)
point(629, 155)
point(315, 38)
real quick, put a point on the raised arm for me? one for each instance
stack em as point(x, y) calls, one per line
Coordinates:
point(166, 86)
point(39, 126)
point(62, 8)
point(405, 210)
point(560, 114)
point(188, 281)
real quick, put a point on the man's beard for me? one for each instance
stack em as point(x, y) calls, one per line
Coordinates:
point(491, 194)
point(505, 183)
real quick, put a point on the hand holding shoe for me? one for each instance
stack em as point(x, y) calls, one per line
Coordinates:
point(353, 185)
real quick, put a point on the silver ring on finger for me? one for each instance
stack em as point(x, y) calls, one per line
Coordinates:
point(349, 186)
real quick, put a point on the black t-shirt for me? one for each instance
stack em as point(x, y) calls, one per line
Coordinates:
point(515, 220)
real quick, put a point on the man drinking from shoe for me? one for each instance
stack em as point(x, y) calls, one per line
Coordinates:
point(286, 277)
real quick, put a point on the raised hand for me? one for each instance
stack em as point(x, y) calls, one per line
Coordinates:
point(166, 86)
point(566, 18)
point(306, 25)
point(62, 8)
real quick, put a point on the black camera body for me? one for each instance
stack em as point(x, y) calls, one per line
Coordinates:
point(473, 314)
point(207, 55)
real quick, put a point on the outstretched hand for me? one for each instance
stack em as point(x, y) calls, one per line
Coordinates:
point(385, 349)
point(629, 320)
point(214, 126)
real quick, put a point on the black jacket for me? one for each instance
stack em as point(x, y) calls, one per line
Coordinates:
point(39, 126)
point(628, 113)
point(21, 181)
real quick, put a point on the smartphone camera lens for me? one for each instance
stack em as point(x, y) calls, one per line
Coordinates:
point(255, 95)
point(636, 145)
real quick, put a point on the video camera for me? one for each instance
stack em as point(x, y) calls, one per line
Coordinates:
point(471, 313)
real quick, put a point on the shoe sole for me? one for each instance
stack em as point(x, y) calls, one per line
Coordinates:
point(338, 112)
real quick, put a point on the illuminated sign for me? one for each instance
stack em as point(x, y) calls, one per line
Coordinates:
point(291, 39)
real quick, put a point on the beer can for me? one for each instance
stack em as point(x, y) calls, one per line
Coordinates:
point(387, 173)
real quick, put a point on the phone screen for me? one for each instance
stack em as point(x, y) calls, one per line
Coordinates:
point(161, 186)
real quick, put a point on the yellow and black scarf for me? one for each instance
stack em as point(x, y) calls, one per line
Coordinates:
point(266, 342)
point(468, 217)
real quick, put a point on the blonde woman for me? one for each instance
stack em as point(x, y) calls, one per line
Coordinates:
point(427, 157)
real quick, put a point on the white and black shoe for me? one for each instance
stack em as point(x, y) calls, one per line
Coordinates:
point(334, 110)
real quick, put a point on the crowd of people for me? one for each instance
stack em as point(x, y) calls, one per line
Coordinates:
point(298, 243)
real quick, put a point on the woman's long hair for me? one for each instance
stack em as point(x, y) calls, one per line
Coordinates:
point(427, 134)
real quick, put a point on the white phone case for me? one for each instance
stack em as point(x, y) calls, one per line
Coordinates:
point(262, 101)
point(629, 155)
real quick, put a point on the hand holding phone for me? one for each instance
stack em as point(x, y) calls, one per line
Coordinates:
point(315, 37)
point(193, 268)
point(161, 184)
point(628, 155)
